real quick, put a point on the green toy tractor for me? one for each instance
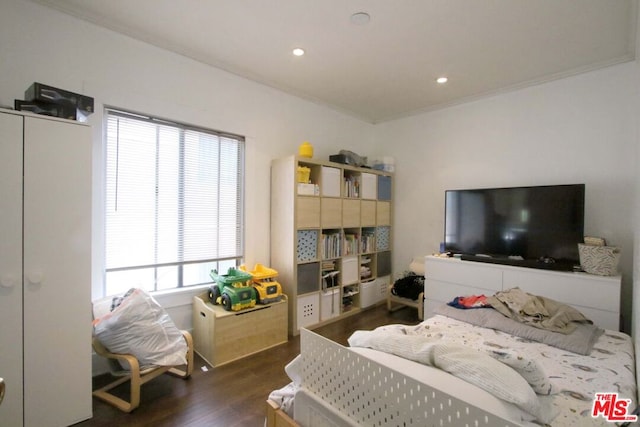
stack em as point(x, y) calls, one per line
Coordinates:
point(232, 290)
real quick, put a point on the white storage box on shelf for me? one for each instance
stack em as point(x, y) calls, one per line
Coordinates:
point(367, 293)
point(374, 291)
point(387, 163)
point(308, 189)
point(308, 309)
point(369, 186)
point(350, 270)
point(330, 184)
point(329, 303)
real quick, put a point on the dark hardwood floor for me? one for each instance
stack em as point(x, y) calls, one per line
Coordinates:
point(232, 394)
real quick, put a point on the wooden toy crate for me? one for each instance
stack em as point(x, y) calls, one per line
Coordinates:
point(222, 336)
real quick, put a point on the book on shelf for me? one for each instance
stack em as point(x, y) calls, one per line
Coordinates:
point(352, 186)
point(328, 265)
point(367, 242)
point(331, 245)
point(350, 244)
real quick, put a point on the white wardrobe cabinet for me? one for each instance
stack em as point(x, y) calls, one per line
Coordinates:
point(45, 270)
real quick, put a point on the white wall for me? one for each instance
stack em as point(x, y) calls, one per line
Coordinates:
point(636, 259)
point(39, 44)
point(580, 129)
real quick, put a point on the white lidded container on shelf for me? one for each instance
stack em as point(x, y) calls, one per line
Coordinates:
point(386, 163)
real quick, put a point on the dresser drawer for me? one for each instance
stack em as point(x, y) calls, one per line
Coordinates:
point(464, 273)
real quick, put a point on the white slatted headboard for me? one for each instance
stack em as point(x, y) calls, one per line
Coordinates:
point(365, 392)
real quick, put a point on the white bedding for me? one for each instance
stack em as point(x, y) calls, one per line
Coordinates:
point(574, 379)
point(465, 362)
point(370, 387)
point(451, 385)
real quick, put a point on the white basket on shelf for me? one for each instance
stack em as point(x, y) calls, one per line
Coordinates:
point(600, 260)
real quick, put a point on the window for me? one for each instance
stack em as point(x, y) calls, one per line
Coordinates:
point(174, 203)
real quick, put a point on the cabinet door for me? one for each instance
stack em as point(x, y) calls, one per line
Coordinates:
point(331, 213)
point(308, 212)
point(11, 267)
point(350, 213)
point(383, 213)
point(57, 272)
point(368, 213)
point(384, 187)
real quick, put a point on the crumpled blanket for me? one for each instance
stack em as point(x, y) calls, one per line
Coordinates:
point(537, 311)
point(581, 340)
point(284, 397)
point(508, 378)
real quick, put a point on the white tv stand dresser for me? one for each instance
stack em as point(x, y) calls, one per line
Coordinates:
point(597, 297)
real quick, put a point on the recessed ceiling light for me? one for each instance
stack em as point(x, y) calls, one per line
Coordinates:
point(298, 51)
point(442, 80)
point(360, 18)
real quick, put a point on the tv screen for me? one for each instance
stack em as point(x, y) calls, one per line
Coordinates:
point(528, 223)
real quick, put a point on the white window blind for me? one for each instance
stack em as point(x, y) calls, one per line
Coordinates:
point(174, 203)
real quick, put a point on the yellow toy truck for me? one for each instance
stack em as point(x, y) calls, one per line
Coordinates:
point(263, 280)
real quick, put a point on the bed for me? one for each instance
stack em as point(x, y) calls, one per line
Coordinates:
point(390, 377)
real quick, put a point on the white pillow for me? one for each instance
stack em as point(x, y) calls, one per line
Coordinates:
point(490, 375)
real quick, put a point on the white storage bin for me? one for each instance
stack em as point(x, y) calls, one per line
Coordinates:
point(383, 283)
point(374, 291)
point(369, 186)
point(330, 304)
point(350, 270)
point(308, 310)
point(368, 294)
point(308, 189)
point(330, 181)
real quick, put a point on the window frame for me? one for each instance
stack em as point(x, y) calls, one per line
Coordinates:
point(240, 173)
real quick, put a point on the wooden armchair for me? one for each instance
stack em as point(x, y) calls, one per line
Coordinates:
point(395, 302)
point(136, 376)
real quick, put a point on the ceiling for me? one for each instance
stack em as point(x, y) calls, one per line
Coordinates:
point(386, 68)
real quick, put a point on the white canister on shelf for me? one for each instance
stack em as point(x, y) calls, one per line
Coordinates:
point(386, 163)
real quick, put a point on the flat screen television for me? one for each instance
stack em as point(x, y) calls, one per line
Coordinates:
point(537, 226)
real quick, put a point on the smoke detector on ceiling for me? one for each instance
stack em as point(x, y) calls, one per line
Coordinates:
point(360, 18)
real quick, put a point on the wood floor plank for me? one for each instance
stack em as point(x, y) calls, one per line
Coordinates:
point(232, 394)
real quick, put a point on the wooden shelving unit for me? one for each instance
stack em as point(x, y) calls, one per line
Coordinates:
point(331, 238)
